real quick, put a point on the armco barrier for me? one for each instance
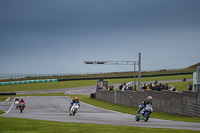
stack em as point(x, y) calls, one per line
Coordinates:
point(186, 103)
point(28, 81)
point(8, 93)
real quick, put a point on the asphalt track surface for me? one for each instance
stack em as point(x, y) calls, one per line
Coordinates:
point(55, 108)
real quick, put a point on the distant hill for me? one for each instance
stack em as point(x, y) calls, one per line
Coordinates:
point(193, 66)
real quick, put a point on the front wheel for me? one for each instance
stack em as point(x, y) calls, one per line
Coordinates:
point(74, 112)
point(137, 117)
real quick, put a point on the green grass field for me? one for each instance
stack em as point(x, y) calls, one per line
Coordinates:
point(83, 83)
point(29, 125)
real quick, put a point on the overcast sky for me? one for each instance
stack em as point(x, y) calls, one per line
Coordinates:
point(57, 36)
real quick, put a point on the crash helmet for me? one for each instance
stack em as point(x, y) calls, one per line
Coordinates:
point(16, 98)
point(149, 97)
point(76, 98)
point(22, 100)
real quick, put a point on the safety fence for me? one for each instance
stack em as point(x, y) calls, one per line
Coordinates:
point(91, 74)
point(186, 103)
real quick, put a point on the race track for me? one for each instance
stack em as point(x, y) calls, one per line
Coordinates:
point(55, 108)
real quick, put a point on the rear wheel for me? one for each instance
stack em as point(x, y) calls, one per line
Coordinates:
point(146, 118)
point(20, 110)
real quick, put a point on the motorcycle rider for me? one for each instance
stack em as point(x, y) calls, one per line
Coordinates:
point(22, 101)
point(145, 102)
point(72, 102)
point(16, 99)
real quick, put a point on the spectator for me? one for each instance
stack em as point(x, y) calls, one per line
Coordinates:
point(144, 86)
point(120, 87)
point(161, 86)
point(184, 79)
point(189, 87)
point(156, 81)
point(130, 87)
point(172, 88)
point(141, 87)
point(147, 87)
point(155, 87)
point(112, 87)
point(124, 87)
point(166, 86)
point(150, 86)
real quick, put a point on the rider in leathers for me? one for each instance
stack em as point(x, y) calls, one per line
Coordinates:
point(72, 102)
point(145, 102)
point(22, 101)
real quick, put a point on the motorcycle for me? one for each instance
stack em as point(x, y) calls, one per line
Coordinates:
point(74, 109)
point(144, 113)
point(16, 104)
point(21, 107)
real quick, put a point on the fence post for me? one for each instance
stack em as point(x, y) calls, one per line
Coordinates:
point(115, 96)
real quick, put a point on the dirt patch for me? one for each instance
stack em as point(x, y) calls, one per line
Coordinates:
point(9, 99)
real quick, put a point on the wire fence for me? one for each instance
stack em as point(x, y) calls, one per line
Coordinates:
point(14, 77)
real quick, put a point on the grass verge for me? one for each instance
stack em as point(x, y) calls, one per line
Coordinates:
point(30, 125)
point(2, 112)
point(82, 83)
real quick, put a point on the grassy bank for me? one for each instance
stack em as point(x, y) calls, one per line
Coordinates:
point(30, 125)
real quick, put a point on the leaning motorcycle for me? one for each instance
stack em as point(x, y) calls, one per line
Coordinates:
point(74, 109)
point(144, 113)
point(21, 107)
point(16, 104)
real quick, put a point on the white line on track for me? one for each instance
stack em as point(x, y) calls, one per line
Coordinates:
point(9, 109)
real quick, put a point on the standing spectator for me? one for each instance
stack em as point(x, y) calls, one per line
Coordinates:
point(166, 86)
point(161, 86)
point(144, 86)
point(150, 86)
point(155, 87)
point(172, 88)
point(189, 87)
point(130, 87)
point(124, 87)
point(156, 81)
point(120, 87)
point(158, 88)
point(141, 87)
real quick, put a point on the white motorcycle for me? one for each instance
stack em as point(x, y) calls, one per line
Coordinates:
point(74, 109)
point(16, 104)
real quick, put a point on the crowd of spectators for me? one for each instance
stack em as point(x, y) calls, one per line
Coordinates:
point(156, 86)
point(124, 87)
point(151, 86)
point(110, 87)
